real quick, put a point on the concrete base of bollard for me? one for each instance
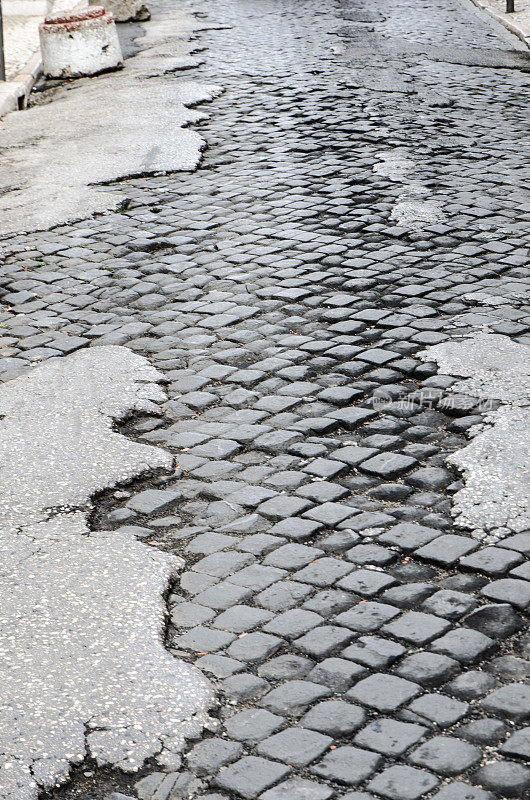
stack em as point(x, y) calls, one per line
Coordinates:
point(74, 44)
point(126, 10)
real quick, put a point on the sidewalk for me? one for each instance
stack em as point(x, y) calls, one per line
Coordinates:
point(518, 22)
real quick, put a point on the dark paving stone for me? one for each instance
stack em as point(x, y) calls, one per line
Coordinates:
point(497, 621)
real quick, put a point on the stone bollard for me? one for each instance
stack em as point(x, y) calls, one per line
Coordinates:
point(78, 43)
point(125, 10)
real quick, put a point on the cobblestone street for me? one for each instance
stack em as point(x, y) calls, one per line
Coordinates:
point(362, 198)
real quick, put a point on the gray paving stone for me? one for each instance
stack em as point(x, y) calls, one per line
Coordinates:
point(282, 506)
point(409, 536)
point(298, 789)
point(494, 561)
point(250, 776)
point(428, 669)
point(286, 667)
point(253, 647)
point(366, 616)
point(219, 666)
point(329, 602)
point(244, 688)
point(389, 737)
point(336, 673)
point(485, 731)
point(351, 418)
point(373, 651)
point(257, 576)
point(518, 744)
point(323, 640)
point(239, 619)
point(509, 590)
point(416, 627)
point(366, 582)
point(383, 692)
point(403, 783)
point(446, 755)
point(334, 717)
point(448, 604)
point(347, 765)
point(388, 465)
point(505, 778)
point(295, 746)
point(463, 644)
point(293, 697)
point(252, 725)
point(461, 791)
point(511, 701)
point(222, 595)
point(409, 595)
point(204, 640)
point(209, 756)
point(324, 572)
point(188, 615)
point(219, 565)
point(444, 711)
point(153, 500)
point(447, 549)
point(292, 556)
point(296, 529)
point(329, 514)
point(293, 623)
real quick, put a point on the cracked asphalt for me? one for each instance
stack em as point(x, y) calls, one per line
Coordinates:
point(361, 205)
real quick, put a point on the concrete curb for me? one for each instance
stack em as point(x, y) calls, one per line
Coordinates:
point(14, 93)
point(522, 33)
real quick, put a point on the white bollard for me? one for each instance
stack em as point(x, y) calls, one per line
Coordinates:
point(126, 10)
point(74, 44)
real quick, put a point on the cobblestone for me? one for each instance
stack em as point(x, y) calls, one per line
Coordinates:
point(327, 587)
